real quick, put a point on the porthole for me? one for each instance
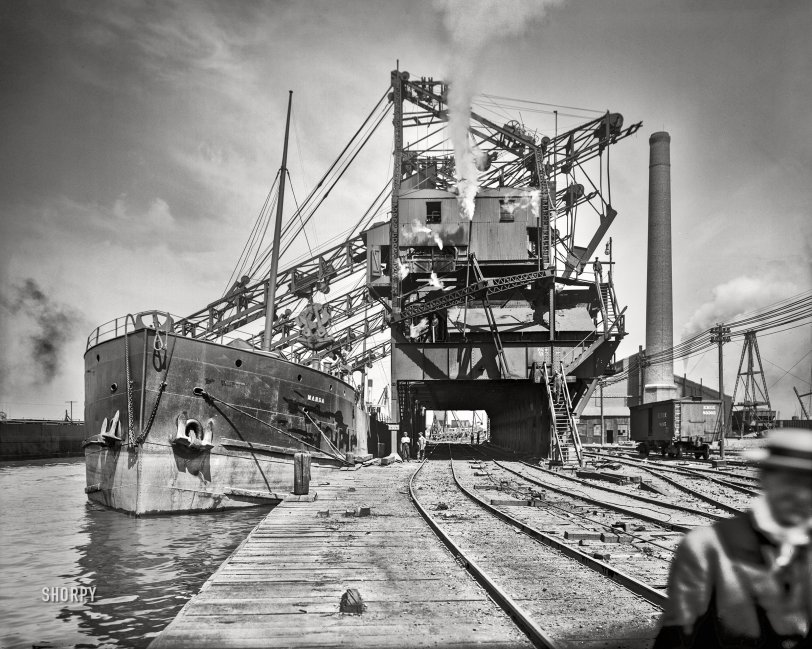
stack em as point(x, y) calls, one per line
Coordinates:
point(238, 362)
point(299, 378)
point(114, 387)
point(98, 358)
point(331, 387)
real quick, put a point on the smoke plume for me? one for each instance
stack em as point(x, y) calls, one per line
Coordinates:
point(739, 295)
point(477, 28)
point(49, 325)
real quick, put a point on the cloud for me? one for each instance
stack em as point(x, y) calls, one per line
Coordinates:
point(738, 296)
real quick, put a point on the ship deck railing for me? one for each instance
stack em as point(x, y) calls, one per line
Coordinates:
point(129, 324)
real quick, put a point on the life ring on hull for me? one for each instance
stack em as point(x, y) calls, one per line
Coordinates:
point(191, 434)
point(111, 433)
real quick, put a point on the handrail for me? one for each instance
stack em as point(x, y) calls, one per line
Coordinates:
point(116, 327)
point(576, 438)
point(604, 313)
point(553, 430)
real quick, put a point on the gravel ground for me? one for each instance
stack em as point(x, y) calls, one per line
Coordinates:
point(645, 551)
point(722, 493)
point(598, 490)
point(576, 606)
point(679, 473)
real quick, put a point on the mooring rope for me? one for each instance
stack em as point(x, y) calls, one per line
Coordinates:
point(202, 393)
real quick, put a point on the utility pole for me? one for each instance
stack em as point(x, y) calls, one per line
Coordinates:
point(71, 409)
point(603, 433)
point(721, 335)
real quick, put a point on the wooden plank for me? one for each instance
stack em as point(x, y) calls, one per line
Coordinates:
point(293, 561)
point(439, 590)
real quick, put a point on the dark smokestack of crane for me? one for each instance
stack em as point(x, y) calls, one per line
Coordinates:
point(659, 375)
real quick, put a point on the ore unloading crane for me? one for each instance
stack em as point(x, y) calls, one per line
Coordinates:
point(500, 293)
point(409, 279)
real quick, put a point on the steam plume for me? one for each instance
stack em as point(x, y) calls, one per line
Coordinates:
point(472, 25)
point(50, 325)
point(739, 295)
point(435, 281)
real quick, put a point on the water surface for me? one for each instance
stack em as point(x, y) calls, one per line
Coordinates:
point(144, 569)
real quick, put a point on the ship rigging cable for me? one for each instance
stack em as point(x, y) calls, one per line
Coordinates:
point(263, 217)
point(328, 181)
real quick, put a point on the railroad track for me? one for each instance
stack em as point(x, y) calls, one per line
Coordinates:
point(736, 468)
point(746, 478)
point(729, 495)
point(556, 592)
point(693, 507)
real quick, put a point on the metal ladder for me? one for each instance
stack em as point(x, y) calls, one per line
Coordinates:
point(547, 214)
point(607, 304)
point(566, 442)
point(500, 351)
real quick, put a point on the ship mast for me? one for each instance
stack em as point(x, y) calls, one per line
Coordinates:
point(270, 303)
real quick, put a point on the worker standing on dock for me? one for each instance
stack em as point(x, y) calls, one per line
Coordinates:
point(421, 447)
point(404, 446)
point(746, 581)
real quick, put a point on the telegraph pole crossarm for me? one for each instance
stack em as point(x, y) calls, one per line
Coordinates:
point(720, 335)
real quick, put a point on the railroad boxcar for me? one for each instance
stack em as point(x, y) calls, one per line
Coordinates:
point(676, 427)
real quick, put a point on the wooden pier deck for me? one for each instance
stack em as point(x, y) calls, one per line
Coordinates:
point(282, 586)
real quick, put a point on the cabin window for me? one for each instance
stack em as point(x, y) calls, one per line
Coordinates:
point(433, 211)
point(506, 208)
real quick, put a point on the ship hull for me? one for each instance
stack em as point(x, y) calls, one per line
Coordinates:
point(205, 426)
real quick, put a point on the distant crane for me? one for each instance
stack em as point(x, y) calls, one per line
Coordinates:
point(801, 401)
point(755, 412)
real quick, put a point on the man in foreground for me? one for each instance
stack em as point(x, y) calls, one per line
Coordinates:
point(747, 581)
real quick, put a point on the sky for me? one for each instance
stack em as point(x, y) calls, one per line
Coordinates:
point(139, 140)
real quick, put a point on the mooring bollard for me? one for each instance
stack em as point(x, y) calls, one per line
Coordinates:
point(301, 474)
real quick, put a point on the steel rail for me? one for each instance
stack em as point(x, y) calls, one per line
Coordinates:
point(607, 526)
point(627, 581)
point(645, 499)
point(619, 508)
point(696, 494)
point(694, 474)
point(627, 458)
point(519, 616)
point(674, 527)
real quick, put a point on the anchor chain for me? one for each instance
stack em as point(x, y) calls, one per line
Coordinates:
point(158, 345)
point(130, 439)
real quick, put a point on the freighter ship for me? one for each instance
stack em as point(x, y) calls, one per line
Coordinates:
point(185, 421)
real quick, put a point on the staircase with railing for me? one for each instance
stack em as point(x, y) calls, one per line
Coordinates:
point(612, 323)
point(567, 449)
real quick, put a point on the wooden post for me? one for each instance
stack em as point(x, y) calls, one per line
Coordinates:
point(301, 474)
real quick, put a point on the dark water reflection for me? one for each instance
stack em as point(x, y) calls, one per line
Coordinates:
point(144, 569)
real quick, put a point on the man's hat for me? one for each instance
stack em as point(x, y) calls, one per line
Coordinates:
point(786, 448)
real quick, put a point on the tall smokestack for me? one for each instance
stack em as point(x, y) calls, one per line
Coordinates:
point(659, 376)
